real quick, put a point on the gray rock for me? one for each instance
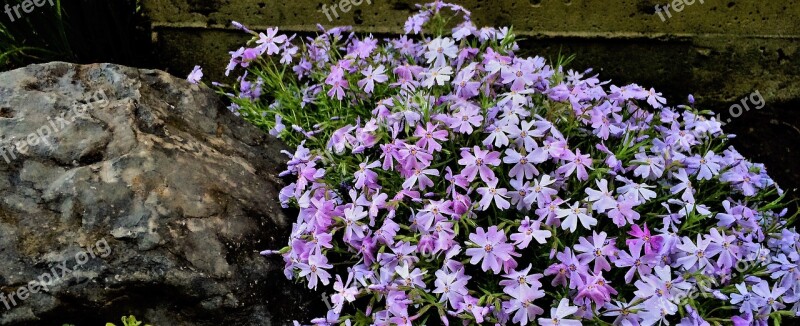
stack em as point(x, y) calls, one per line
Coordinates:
point(153, 196)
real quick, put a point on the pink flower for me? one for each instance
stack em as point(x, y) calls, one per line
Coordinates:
point(269, 42)
point(315, 271)
point(574, 162)
point(479, 163)
point(529, 230)
point(439, 49)
point(372, 76)
point(492, 249)
point(428, 137)
point(365, 176)
point(492, 193)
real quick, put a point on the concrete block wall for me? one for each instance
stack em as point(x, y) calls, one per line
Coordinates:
point(719, 50)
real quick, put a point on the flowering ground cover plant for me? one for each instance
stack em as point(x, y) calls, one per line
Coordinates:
point(441, 178)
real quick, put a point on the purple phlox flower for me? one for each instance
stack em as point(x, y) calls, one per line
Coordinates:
point(414, 23)
point(746, 301)
point(354, 231)
point(529, 230)
point(429, 137)
point(725, 246)
point(686, 208)
point(743, 178)
point(466, 118)
point(330, 319)
point(559, 314)
point(452, 286)
point(419, 177)
point(402, 252)
point(376, 202)
point(361, 49)
point(625, 312)
point(365, 177)
point(659, 289)
point(684, 185)
point(195, 75)
point(344, 292)
point(770, 297)
point(397, 302)
point(315, 270)
point(595, 288)
point(289, 52)
point(390, 152)
point(603, 199)
point(518, 100)
point(463, 30)
point(493, 249)
point(738, 214)
point(575, 161)
point(421, 223)
point(519, 74)
point(637, 263)
point(439, 49)
point(597, 250)
point(639, 191)
point(372, 76)
point(497, 136)
point(471, 305)
point(523, 165)
point(410, 278)
point(706, 166)
point(680, 138)
point(569, 267)
point(321, 240)
point(556, 148)
point(623, 213)
point(413, 157)
point(548, 211)
point(491, 194)
point(479, 163)
point(441, 209)
point(693, 318)
point(465, 87)
point(649, 167)
point(523, 135)
point(522, 306)
point(541, 191)
point(466, 54)
point(269, 42)
point(387, 232)
point(642, 236)
point(572, 215)
point(406, 46)
point(436, 76)
point(279, 126)
point(604, 120)
point(695, 254)
point(655, 99)
point(521, 280)
point(337, 82)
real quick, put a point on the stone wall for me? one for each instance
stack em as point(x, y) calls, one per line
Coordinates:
point(719, 50)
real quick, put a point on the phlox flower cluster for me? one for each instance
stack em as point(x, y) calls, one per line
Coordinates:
point(440, 178)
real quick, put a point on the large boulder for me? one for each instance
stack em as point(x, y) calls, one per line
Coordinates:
point(126, 191)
